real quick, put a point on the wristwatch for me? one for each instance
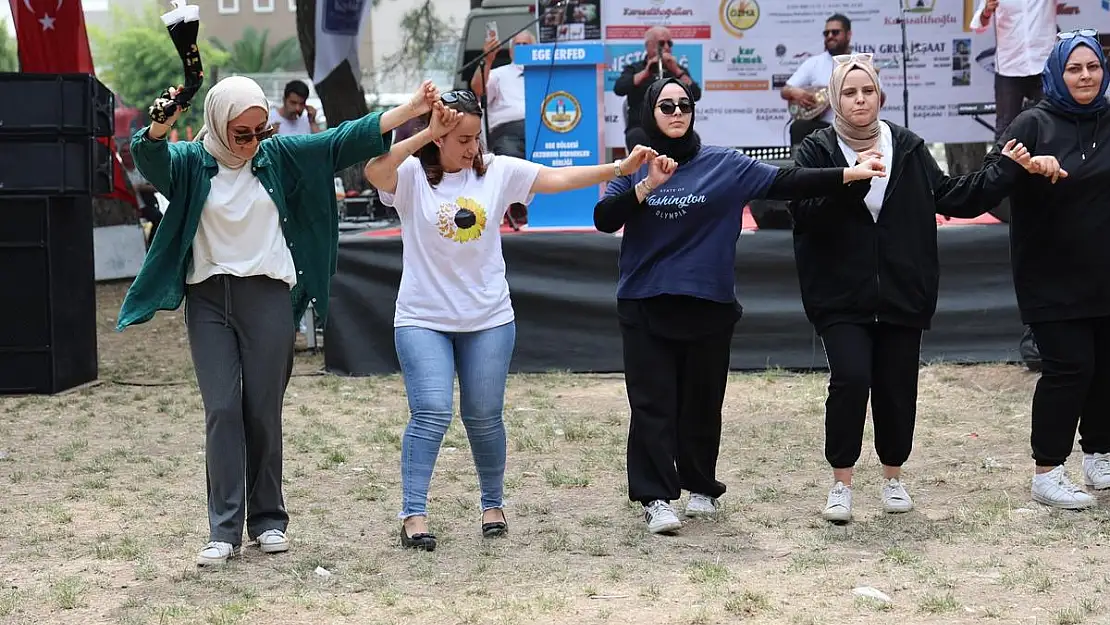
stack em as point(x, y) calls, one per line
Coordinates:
point(617, 173)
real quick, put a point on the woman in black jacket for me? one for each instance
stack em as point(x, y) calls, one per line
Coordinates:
point(867, 264)
point(676, 297)
point(1060, 249)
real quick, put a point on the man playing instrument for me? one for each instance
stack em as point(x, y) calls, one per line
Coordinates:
point(805, 89)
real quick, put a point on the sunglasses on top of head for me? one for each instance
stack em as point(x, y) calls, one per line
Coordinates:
point(461, 95)
point(1081, 32)
point(684, 106)
point(262, 135)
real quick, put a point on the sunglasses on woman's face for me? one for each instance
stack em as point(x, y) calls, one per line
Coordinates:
point(248, 138)
point(1082, 32)
point(683, 106)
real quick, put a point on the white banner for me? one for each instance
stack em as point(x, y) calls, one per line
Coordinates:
point(742, 52)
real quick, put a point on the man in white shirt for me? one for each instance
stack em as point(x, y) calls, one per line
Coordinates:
point(295, 116)
point(814, 74)
point(504, 89)
point(1024, 31)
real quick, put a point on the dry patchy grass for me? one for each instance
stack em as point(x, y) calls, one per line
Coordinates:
point(102, 510)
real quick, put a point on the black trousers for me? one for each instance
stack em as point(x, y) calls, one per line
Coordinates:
point(675, 389)
point(880, 360)
point(241, 338)
point(1074, 389)
point(1009, 94)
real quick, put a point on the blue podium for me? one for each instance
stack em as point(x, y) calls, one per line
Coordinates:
point(563, 91)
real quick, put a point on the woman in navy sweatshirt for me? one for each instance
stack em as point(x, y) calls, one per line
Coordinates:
point(869, 274)
point(1060, 246)
point(676, 301)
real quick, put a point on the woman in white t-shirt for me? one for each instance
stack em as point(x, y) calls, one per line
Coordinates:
point(453, 308)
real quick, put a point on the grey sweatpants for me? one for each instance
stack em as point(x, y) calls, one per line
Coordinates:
point(241, 338)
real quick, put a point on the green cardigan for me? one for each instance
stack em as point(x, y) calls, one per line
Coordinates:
point(298, 172)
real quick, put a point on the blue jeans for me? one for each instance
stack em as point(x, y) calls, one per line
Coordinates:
point(429, 360)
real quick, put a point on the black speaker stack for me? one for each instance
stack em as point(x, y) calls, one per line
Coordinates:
point(51, 166)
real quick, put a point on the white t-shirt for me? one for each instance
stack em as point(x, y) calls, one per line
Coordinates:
point(505, 95)
point(299, 126)
point(453, 279)
point(815, 72)
point(239, 232)
point(1025, 32)
point(874, 199)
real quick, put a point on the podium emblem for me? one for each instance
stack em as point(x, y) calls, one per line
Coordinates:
point(561, 112)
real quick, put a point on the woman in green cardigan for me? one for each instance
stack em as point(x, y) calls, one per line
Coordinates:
point(248, 242)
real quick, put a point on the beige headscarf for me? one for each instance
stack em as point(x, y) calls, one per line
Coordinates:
point(859, 138)
point(225, 101)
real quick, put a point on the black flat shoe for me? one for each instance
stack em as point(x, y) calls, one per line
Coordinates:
point(496, 529)
point(422, 541)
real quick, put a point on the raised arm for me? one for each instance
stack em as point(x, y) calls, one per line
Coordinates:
point(558, 179)
point(622, 198)
point(978, 192)
point(358, 140)
point(381, 172)
point(808, 212)
point(156, 158)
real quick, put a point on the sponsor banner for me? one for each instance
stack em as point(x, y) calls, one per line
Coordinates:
point(750, 48)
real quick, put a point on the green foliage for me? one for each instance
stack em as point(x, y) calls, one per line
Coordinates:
point(138, 61)
point(253, 55)
point(9, 58)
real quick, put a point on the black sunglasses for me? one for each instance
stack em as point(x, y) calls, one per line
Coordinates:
point(249, 137)
point(666, 42)
point(831, 31)
point(684, 106)
point(1082, 32)
point(461, 95)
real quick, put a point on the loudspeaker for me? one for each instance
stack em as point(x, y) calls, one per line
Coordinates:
point(54, 166)
point(52, 104)
point(48, 318)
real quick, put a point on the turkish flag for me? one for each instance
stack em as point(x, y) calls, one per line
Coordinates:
point(52, 39)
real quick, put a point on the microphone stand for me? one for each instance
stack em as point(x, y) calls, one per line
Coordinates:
point(905, 63)
point(480, 62)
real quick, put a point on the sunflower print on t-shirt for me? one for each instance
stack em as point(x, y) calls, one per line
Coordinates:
point(463, 221)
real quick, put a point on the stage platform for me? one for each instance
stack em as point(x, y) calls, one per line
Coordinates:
point(564, 282)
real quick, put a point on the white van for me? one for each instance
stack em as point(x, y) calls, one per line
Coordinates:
point(509, 15)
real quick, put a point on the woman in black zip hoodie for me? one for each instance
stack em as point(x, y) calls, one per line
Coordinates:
point(869, 275)
point(1060, 250)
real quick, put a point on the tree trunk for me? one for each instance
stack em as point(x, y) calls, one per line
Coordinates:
point(340, 92)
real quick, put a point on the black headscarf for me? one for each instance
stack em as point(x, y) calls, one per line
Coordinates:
point(681, 149)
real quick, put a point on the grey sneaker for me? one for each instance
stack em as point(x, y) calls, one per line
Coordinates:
point(216, 553)
point(1096, 471)
point(701, 506)
point(838, 507)
point(1056, 489)
point(273, 541)
point(895, 497)
point(661, 518)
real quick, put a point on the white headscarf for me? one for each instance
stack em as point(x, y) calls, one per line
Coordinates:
point(228, 99)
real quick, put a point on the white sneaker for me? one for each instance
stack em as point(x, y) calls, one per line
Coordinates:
point(216, 553)
point(895, 497)
point(1057, 490)
point(838, 508)
point(701, 506)
point(1096, 471)
point(273, 541)
point(661, 518)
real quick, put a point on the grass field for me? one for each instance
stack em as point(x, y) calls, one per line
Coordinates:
point(102, 510)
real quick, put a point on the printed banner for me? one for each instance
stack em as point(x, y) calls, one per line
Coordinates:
point(569, 20)
point(742, 52)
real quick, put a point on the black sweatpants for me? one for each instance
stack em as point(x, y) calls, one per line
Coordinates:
point(880, 360)
point(1074, 389)
point(241, 337)
point(675, 389)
